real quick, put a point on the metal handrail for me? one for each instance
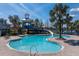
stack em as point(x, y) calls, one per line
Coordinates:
point(31, 50)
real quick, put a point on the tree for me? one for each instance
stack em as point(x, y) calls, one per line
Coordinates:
point(71, 27)
point(15, 22)
point(4, 26)
point(76, 25)
point(68, 21)
point(41, 24)
point(37, 23)
point(2, 21)
point(58, 15)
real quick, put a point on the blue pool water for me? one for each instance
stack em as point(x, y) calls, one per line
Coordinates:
point(36, 43)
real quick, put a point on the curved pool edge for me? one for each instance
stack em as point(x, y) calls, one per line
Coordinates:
point(15, 49)
point(62, 47)
point(10, 46)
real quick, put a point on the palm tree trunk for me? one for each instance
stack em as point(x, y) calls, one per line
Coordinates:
point(60, 32)
point(67, 27)
point(60, 29)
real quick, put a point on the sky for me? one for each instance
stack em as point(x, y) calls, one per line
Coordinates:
point(37, 10)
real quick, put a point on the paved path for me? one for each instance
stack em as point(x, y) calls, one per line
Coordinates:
point(5, 51)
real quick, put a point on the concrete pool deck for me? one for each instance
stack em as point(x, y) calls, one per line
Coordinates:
point(67, 51)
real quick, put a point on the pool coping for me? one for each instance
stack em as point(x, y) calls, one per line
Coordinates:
point(62, 47)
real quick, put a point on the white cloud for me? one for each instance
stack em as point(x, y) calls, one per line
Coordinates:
point(74, 12)
point(72, 15)
point(74, 9)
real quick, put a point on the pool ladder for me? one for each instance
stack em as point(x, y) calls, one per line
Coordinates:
point(33, 46)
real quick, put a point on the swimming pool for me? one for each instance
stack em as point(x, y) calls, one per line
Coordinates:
point(35, 43)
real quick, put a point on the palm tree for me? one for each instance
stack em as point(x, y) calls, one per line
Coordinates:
point(57, 16)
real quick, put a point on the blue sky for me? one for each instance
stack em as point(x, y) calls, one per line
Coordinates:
point(38, 10)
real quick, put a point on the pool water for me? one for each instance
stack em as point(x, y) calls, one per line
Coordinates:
point(35, 43)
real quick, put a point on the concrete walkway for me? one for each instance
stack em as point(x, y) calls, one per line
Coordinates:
point(5, 51)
